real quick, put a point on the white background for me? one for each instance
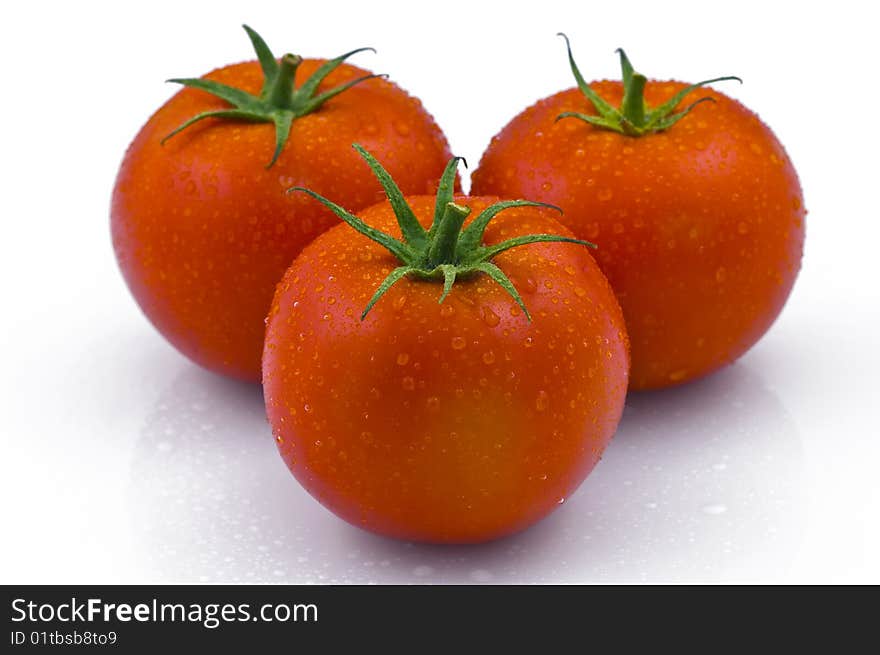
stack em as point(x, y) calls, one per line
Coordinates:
point(122, 462)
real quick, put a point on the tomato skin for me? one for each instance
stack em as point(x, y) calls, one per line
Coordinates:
point(700, 228)
point(203, 230)
point(457, 422)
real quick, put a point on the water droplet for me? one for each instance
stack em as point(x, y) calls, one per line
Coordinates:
point(488, 357)
point(408, 383)
point(446, 310)
point(542, 401)
point(528, 342)
point(433, 403)
point(720, 274)
point(402, 128)
point(547, 186)
point(371, 128)
point(605, 195)
point(677, 376)
point(307, 408)
point(402, 359)
point(399, 302)
point(742, 227)
point(490, 318)
point(579, 292)
point(458, 343)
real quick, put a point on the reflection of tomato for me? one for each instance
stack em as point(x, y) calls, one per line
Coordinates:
point(453, 422)
point(203, 230)
point(700, 227)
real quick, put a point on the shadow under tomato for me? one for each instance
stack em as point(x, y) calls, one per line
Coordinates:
point(701, 483)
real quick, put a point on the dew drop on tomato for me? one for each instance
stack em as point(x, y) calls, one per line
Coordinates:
point(489, 317)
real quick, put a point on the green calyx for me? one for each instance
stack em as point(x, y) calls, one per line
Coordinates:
point(633, 117)
point(445, 252)
point(279, 101)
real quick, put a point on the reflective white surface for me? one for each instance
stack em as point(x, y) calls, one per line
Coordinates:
point(122, 462)
point(692, 486)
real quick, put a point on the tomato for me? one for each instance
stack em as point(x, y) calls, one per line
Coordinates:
point(202, 225)
point(452, 422)
point(699, 218)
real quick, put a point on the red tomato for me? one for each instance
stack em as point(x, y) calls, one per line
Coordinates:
point(700, 225)
point(203, 229)
point(452, 422)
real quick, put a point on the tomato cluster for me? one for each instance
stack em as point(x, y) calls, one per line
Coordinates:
point(441, 367)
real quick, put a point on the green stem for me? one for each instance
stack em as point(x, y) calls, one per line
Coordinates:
point(633, 105)
point(442, 249)
point(634, 117)
point(279, 101)
point(280, 92)
point(445, 252)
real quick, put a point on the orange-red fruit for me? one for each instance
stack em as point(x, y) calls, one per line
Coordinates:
point(457, 422)
point(203, 230)
point(700, 228)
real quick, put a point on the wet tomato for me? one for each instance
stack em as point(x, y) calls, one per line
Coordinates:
point(695, 206)
point(452, 422)
point(201, 222)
